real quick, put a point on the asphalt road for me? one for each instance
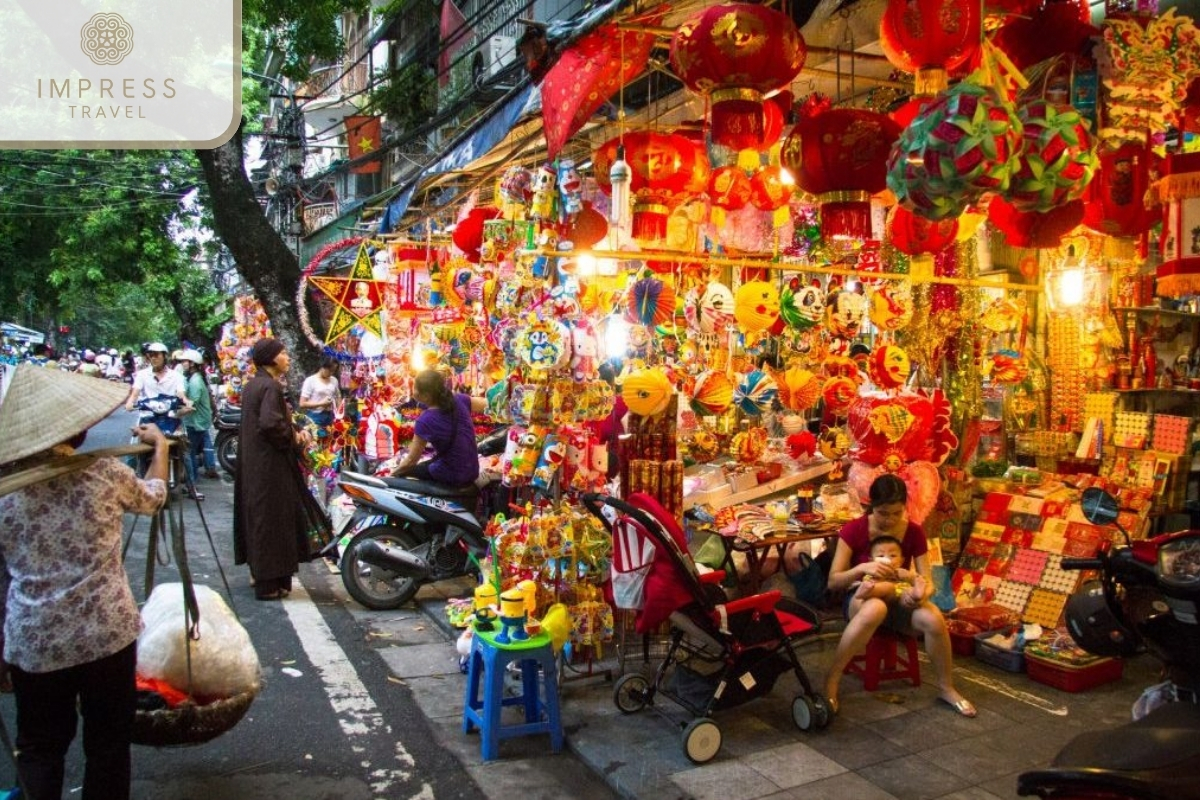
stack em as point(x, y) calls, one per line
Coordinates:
point(330, 722)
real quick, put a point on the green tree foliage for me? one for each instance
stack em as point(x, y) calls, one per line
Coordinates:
point(98, 241)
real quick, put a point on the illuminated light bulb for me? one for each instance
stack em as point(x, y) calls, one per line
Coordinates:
point(585, 265)
point(621, 177)
point(616, 337)
point(1071, 287)
point(786, 177)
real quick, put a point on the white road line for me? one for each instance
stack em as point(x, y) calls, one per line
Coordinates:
point(356, 712)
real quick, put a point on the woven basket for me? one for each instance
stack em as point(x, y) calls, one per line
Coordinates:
point(189, 723)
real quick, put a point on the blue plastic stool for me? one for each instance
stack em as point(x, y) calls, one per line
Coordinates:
point(487, 664)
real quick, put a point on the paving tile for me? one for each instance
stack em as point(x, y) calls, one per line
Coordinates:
point(854, 746)
point(724, 780)
point(971, 793)
point(913, 778)
point(438, 696)
point(1004, 786)
point(846, 786)
point(746, 734)
point(793, 765)
point(421, 660)
point(979, 758)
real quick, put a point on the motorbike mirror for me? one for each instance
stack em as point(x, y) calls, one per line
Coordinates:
point(1100, 508)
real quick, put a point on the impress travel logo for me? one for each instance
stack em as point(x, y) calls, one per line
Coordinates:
point(128, 74)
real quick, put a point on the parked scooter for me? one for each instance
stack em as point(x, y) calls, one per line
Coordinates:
point(407, 533)
point(1147, 597)
point(228, 422)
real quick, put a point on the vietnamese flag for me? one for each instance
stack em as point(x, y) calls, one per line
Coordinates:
point(364, 135)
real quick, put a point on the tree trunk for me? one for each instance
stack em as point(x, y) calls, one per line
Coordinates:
point(263, 258)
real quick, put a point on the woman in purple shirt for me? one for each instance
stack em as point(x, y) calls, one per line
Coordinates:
point(887, 516)
point(446, 426)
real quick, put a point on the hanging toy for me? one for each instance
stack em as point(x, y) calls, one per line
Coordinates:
point(570, 189)
point(800, 306)
point(845, 313)
point(756, 306)
point(541, 207)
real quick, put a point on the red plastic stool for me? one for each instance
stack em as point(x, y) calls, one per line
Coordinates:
point(883, 662)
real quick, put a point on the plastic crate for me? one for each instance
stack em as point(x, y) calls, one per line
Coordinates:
point(1072, 677)
point(1007, 660)
point(962, 636)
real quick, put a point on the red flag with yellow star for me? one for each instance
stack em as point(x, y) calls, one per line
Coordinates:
point(358, 298)
point(364, 135)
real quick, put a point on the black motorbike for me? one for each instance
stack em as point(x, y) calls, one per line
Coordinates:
point(1147, 598)
point(406, 533)
point(228, 422)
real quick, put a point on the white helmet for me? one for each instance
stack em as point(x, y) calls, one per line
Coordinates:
point(156, 347)
point(193, 356)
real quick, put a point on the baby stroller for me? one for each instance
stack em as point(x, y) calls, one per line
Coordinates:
point(722, 653)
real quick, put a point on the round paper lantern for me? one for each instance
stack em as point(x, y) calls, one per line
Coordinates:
point(755, 392)
point(735, 54)
point(647, 392)
point(1056, 163)
point(716, 308)
point(729, 188)
point(1115, 202)
point(756, 306)
point(910, 426)
point(929, 37)
point(1056, 27)
point(650, 301)
point(1033, 229)
point(891, 305)
point(799, 389)
point(468, 233)
point(889, 366)
point(840, 155)
point(663, 171)
point(838, 393)
point(589, 228)
point(713, 394)
point(801, 306)
point(833, 443)
point(913, 235)
point(770, 189)
point(844, 314)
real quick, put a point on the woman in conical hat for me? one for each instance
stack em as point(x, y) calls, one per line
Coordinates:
point(70, 622)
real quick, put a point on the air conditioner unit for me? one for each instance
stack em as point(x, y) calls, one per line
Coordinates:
point(492, 57)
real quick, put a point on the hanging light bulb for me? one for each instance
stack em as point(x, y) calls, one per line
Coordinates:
point(620, 176)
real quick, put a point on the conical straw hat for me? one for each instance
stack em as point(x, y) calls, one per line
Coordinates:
point(44, 407)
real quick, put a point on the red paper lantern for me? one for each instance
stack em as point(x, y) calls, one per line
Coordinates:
point(665, 168)
point(1060, 26)
point(1114, 204)
point(729, 188)
point(929, 37)
point(735, 54)
point(769, 189)
point(913, 235)
point(468, 233)
point(1031, 228)
point(840, 155)
point(589, 227)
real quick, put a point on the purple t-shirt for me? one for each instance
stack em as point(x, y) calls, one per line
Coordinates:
point(457, 460)
point(856, 533)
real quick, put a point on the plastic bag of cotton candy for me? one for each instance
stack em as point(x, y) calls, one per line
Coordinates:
point(223, 660)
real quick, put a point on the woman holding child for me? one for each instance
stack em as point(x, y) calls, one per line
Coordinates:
point(874, 579)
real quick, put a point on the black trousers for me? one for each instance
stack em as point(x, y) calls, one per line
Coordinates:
point(46, 722)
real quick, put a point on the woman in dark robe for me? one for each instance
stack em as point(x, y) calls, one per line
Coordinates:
point(269, 527)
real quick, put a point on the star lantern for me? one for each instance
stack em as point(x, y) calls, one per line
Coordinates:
point(357, 297)
point(665, 169)
point(929, 38)
point(736, 54)
point(1057, 161)
point(840, 155)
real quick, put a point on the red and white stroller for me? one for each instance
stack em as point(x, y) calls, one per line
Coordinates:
point(722, 653)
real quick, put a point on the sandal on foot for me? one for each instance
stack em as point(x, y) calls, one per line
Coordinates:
point(195, 495)
point(832, 702)
point(962, 705)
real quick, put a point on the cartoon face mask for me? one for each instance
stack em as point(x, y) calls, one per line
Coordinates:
point(892, 306)
point(845, 314)
point(801, 306)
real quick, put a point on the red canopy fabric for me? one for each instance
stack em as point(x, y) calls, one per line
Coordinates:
point(586, 76)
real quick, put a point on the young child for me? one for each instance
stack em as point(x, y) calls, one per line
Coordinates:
point(887, 549)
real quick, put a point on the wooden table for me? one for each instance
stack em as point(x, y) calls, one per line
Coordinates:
point(758, 551)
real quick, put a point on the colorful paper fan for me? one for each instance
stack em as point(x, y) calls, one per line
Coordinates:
point(1057, 162)
point(647, 391)
point(713, 394)
point(650, 301)
point(756, 306)
point(755, 392)
point(799, 389)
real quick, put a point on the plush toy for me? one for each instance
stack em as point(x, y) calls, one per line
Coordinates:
point(570, 189)
point(584, 351)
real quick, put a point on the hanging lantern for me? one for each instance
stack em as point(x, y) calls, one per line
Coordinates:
point(1179, 189)
point(468, 234)
point(1114, 204)
point(736, 54)
point(729, 188)
point(770, 188)
point(588, 228)
point(840, 155)
point(1033, 229)
point(929, 38)
point(1053, 28)
point(662, 172)
point(1056, 163)
point(913, 235)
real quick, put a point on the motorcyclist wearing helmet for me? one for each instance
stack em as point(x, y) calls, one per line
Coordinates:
point(157, 379)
